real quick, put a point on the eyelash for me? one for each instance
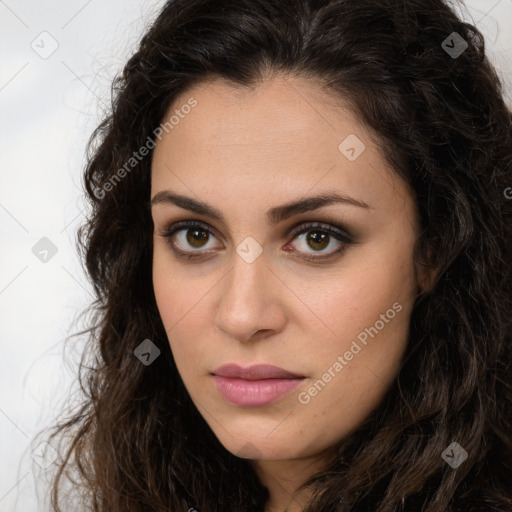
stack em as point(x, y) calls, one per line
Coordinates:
point(334, 231)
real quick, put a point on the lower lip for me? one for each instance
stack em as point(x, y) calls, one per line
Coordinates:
point(254, 393)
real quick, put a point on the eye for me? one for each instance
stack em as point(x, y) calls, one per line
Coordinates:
point(315, 235)
point(319, 236)
point(188, 233)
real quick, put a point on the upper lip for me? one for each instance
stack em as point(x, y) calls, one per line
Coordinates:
point(256, 372)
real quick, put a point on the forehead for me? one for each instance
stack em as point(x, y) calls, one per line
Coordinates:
point(277, 110)
point(280, 138)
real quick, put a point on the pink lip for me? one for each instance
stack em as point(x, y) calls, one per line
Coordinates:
point(256, 372)
point(253, 393)
point(254, 386)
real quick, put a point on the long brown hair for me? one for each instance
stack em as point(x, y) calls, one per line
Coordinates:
point(433, 100)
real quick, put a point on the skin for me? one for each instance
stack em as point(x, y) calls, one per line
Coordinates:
point(244, 151)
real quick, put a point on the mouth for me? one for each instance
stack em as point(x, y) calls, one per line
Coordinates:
point(254, 386)
point(256, 372)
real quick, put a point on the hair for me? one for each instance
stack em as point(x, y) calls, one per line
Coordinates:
point(136, 440)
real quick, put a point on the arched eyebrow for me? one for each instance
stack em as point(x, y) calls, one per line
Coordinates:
point(274, 215)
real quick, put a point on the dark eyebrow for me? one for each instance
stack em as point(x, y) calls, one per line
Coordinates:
point(274, 215)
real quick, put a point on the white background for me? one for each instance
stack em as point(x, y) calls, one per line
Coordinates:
point(48, 109)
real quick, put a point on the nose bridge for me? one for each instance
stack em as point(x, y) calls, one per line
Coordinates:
point(244, 306)
point(246, 288)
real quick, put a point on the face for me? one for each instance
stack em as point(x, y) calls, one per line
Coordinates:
point(323, 290)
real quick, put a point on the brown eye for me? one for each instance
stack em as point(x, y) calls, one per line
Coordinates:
point(317, 240)
point(316, 237)
point(196, 237)
point(189, 239)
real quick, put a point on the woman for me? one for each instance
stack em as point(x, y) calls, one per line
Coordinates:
point(300, 239)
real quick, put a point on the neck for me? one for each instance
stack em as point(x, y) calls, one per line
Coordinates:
point(283, 479)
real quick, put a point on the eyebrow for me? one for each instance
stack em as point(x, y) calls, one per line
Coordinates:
point(274, 215)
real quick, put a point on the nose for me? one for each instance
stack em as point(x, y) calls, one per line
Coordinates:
point(250, 301)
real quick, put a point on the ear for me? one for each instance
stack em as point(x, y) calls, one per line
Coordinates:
point(426, 275)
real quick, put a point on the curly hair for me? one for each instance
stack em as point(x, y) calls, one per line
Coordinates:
point(136, 441)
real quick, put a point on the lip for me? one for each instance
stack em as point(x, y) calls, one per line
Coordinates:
point(254, 386)
point(255, 372)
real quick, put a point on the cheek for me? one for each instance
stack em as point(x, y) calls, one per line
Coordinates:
point(367, 311)
point(181, 297)
point(352, 370)
point(171, 294)
point(165, 285)
point(175, 286)
point(366, 288)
